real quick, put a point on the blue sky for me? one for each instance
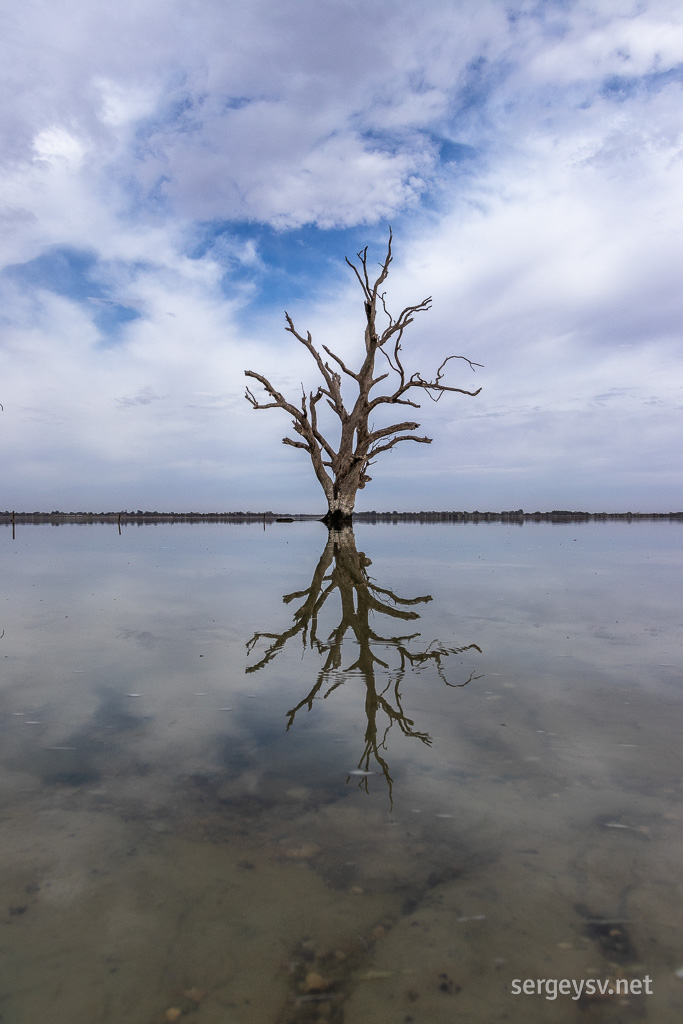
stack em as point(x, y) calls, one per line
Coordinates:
point(173, 176)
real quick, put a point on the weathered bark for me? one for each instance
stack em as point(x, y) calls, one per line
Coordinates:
point(342, 471)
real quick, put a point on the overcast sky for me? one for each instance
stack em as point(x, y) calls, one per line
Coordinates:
point(176, 174)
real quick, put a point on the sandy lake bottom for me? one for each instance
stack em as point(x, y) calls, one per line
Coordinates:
point(260, 776)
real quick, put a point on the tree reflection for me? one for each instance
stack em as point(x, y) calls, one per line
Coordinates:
point(381, 661)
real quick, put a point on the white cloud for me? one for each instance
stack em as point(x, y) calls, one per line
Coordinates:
point(123, 104)
point(552, 253)
point(58, 145)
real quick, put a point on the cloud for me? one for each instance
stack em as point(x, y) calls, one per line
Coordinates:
point(172, 174)
point(145, 396)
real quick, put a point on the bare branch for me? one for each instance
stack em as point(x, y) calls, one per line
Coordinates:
point(471, 365)
point(405, 318)
point(394, 399)
point(315, 442)
point(385, 269)
point(385, 431)
point(384, 307)
point(278, 399)
point(259, 405)
point(307, 342)
point(345, 368)
point(354, 268)
point(418, 381)
point(436, 384)
point(341, 471)
point(404, 437)
point(324, 444)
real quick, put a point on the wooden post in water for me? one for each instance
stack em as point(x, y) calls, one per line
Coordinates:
point(119, 524)
point(13, 518)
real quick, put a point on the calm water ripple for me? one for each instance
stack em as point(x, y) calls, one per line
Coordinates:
point(276, 776)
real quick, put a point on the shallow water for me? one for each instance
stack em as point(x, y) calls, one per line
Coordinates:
point(249, 777)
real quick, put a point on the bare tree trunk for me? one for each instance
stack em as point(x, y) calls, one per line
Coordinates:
point(342, 501)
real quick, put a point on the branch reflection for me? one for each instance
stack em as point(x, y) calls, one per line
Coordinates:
point(382, 661)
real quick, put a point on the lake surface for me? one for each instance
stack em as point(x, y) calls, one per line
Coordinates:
point(276, 776)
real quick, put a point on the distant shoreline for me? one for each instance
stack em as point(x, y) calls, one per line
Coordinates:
point(140, 517)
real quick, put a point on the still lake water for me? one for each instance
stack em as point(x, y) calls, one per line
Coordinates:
point(255, 776)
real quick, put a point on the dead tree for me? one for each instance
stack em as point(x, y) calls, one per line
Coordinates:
point(342, 471)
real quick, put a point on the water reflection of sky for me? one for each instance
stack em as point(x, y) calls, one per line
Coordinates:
point(132, 703)
point(165, 612)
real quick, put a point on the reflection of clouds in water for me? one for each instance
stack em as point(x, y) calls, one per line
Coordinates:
point(175, 838)
point(140, 636)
